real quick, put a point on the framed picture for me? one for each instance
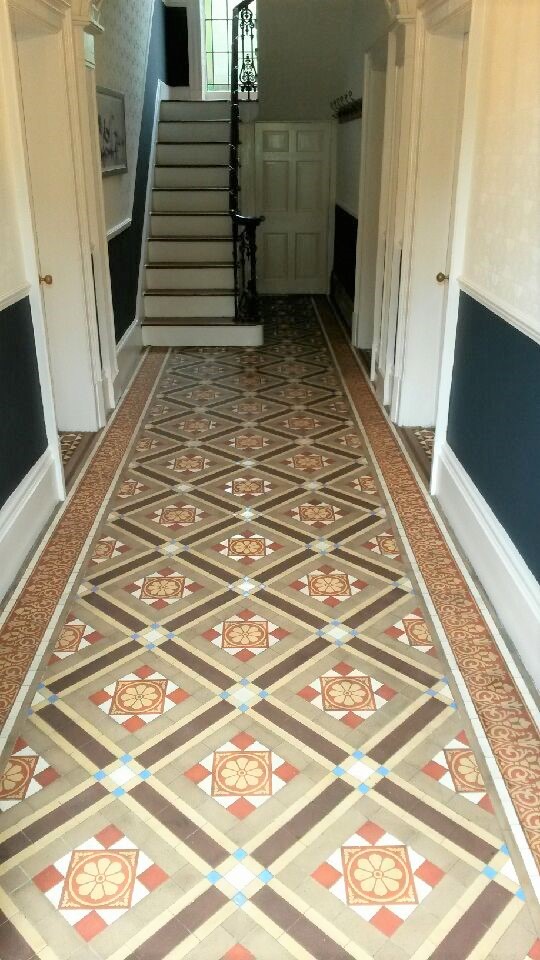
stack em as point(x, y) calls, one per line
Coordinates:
point(112, 131)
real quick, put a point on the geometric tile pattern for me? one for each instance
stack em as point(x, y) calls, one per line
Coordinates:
point(99, 882)
point(249, 834)
point(138, 698)
point(24, 774)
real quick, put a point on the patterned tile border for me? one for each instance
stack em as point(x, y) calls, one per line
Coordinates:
point(27, 620)
point(509, 727)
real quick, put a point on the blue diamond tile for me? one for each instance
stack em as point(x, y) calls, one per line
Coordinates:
point(225, 695)
point(265, 876)
point(520, 894)
point(243, 708)
point(53, 698)
point(383, 771)
point(358, 755)
point(100, 775)
point(119, 792)
point(213, 876)
point(145, 774)
point(430, 693)
point(504, 849)
point(239, 899)
point(244, 682)
point(240, 854)
point(489, 872)
point(263, 694)
point(363, 788)
point(126, 758)
point(339, 771)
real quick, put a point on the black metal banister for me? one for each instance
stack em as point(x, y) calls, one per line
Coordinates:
point(244, 228)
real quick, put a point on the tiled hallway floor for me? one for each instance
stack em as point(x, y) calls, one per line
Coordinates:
point(244, 744)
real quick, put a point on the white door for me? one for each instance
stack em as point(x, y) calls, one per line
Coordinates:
point(292, 162)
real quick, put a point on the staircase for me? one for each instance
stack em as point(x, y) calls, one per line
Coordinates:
point(189, 292)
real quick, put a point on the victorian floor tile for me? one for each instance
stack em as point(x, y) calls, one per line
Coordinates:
point(244, 741)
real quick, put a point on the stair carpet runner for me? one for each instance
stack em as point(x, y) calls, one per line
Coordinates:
point(189, 277)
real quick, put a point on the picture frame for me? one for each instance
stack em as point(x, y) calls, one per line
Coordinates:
point(111, 109)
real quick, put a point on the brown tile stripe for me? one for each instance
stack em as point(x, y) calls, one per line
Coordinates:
point(310, 816)
point(94, 666)
point(302, 733)
point(437, 821)
point(143, 502)
point(509, 727)
point(473, 924)
point(182, 827)
point(76, 736)
point(376, 607)
point(288, 918)
point(186, 732)
point(12, 945)
point(417, 721)
point(110, 609)
point(387, 659)
point(123, 569)
point(286, 606)
point(199, 666)
point(202, 610)
point(175, 931)
point(203, 564)
point(84, 801)
point(140, 532)
point(298, 659)
point(27, 622)
point(382, 570)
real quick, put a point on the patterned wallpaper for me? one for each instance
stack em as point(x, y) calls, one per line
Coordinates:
point(121, 53)
point(503, 250)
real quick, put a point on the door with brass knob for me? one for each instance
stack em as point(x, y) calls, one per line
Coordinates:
point(46, 279)
point(441, 277)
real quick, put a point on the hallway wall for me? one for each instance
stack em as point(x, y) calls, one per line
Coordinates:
point(495, 402)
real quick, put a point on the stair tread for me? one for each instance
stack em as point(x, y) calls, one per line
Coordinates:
point(192, 166)
point(190, 213)
point(189, 293)
point(199, 120)
point(187, 321)
point(189, 265)
point(193, 143)
point(192, 189)
point(182, 238)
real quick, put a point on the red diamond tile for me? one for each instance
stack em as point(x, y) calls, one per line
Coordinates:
point(241, 808)
point(90, 926)
point(197, 773)
point(242, 741)
point(109, 835)
point(47, 879)
point(326, 875)
point(286, 771)
point(386, 922)
point(153, 877)
point(238, 953)
point(429, 873)
point(534, 952)
point(370, 832)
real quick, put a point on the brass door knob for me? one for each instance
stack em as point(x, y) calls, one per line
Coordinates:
point(441, 277)
point(46, 279)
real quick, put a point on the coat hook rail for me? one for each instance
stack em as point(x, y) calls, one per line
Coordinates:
point(346, 107)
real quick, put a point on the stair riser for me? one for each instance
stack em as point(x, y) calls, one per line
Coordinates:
point(179, 306)
point(194, 110)
point(194, 131)
point(197, 200)
point(203, 278)
point(190, 226)
point(191, 177)
point(192, 153)
point(192, 251)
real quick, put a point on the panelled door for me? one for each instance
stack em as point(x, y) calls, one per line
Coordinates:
point(292, 193)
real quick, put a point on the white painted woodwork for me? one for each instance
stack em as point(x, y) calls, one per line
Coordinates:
point(189, 277)
point(171, 201)
point(209, 334)
point(292, 193)
point(54, 156)
point(179, 153)
point(184, 304)
point(197, 130)
point(194, 109)
point(193, 225)
point(192, 176)
point(190, 250)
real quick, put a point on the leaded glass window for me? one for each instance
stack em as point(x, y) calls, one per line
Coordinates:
point(218, 33)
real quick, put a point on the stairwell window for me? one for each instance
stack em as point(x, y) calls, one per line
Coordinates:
point(218, 40)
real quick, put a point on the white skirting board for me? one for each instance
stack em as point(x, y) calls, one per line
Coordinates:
point(128, 354)
point(200, 335)
point(506, 578)
point(25, 515)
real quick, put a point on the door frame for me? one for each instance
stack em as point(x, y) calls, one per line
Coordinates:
point(435, 18)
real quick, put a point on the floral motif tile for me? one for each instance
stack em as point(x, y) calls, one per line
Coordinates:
point(329, 586)
point(245, 635)
point(196, 426)
point(147, 445)
point(131, 488)
point(242, 775)
point(308, 462)
point(248, 487)
point(138, 698)
point(108, 548)
point(175, 516)
point(97, 883)
point(365, 484)
point(384, 544)
point(300, 423)
point(246, 547)
point(382, 879)
point(347, 695)
point(188, 463)
point(24, 774)
point(412, 630)
point(160, 589)
point(248, 441)
point(316, 513)
point(457, 768)
point(74, 637)
point(351, 440)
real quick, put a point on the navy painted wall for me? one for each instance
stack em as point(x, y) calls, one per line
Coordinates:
point(22, 424)
point(168, 61)
point(494, 425)
point(346, 229)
